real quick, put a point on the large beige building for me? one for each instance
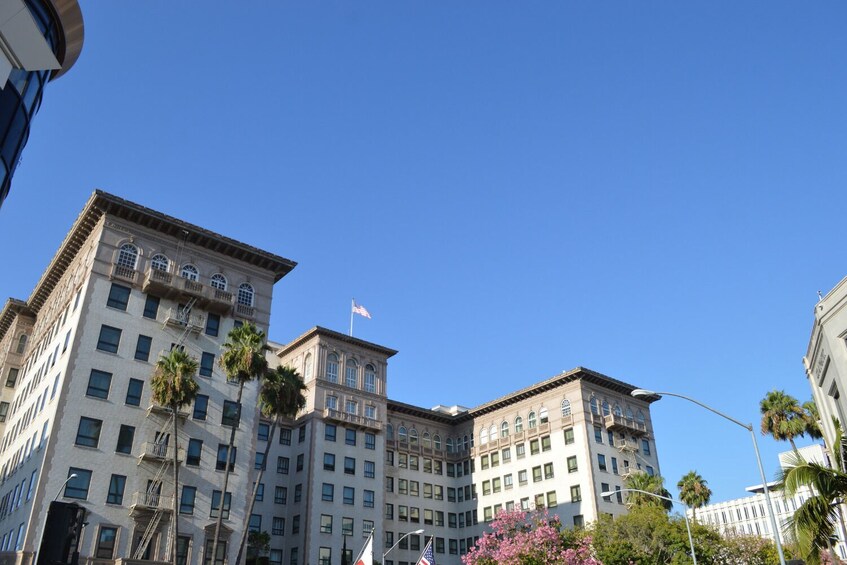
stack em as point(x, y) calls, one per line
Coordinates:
point(78, 424)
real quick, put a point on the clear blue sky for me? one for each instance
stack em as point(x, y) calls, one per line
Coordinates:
point(654, 191)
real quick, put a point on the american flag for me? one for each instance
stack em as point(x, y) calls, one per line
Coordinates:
point(361, 310)
point(427, 558)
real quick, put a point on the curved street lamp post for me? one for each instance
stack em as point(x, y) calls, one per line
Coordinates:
point(684, 514)
point(404, 536)
point(640, 393)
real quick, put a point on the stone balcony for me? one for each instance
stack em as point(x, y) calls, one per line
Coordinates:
point(159, 452)
point(168, 285)
point(352, 419)
point(143, 501)
point(623, 424)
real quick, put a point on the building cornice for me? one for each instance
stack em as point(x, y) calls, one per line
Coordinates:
point(338, 336)
point(11, 309)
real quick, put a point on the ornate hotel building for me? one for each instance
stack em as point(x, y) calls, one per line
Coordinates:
point(78, 424)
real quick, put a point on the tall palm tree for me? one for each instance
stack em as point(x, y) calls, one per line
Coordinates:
point(281, 396)
point(694, 491)
point(782, 417)
point(243, 360)
point(649, 483)
point(173, 385)
point(813, 418)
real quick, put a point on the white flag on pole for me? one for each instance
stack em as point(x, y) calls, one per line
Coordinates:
point(367, 555)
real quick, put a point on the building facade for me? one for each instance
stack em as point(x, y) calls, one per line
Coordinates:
point(825, 361)
point(748, 515)
point(41, 40)
point(78, 422)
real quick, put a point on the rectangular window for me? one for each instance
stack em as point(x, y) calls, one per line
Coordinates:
point(284, 436)
point(207, 364)
point(106, 542)
point(186, 501)
point(260, 492)
point(329, 462)
point(325, 556)
point(88, 433)
point(151, 307)
point(142, 348)
point(572, 467)
point(298, 492)
point(327, 492)
point(117, 484)
point(533, 447)
point(601, 461)
point(125, 437)
point(213, 324)
point(110, 339)
point(548, 470)
point(368, 499)
point(194, 452)
point(569, 437)
point(300, 459)
point(520, 450)
point(259, 462)
point(301, 434)
point(598, 434)
point(536, 474)
point(216, 504)
point(604, 487)
point(329, 432)
point(615, 465)
point(370, 469)
point(645, 446)
point(278, 526)
point(229, 414)
point(282, 464)
point(280, 495)
point(201, 405)
point(77, 487)
point(264, 432)
point(350, 437)
point(370, 440)
point(576, 494)
point(220, 464)
point(349, 466)
point(133, 392)
point(118, 297)
point(326, 523)
point(4, 411)
point(349, 495)
point(12, 377)
point(545, 443)
point(98, 384)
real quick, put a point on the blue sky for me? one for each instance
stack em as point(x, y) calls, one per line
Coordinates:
point(512, 189)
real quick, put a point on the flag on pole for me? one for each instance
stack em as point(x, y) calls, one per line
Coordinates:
point(344, 560)
point(427, 558)
point(361, 310)
point(367, 555)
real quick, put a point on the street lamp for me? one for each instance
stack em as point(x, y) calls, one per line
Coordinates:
point(640, 393)
point(404, 536)
point(609, 493)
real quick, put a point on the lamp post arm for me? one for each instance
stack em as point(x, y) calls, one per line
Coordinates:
point(748, 427)
point(401, 538)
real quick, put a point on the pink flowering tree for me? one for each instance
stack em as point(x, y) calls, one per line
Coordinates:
point(530, 538)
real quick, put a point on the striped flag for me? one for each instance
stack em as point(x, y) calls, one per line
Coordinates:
point(361, 310)
point(427, 558)
point(367, 555)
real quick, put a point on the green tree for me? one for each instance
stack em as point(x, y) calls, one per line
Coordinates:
point(243, 360)
point(782, 417)
point(813, 524)
point(813, 418)
point(694, 491)
point(281, 396)
point(173, 385)
point(650, 483)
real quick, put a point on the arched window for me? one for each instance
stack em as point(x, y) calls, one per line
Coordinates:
point(389, 431)
point(218, 281)
point(566, 407)
point(504, 429)
point(518, 425)
point(128, 256)
point(307, 367)
point(351, 373)
point(436, 442)
point(332, 368)
point(21, 344)
point(370, 378)
point(190, 272)
point(402, 435)
point(618, 411)
point(492, 432)
point(483, 436)
point(449, 445)
point(542, 416)
point(531, 420)
point(629, 412)
point(606, 409)
point(413, 437)
point(427, 441)
point(595, 407)
point(640, 416)
point(160, 263)
point(245, 294)
point(465, 443)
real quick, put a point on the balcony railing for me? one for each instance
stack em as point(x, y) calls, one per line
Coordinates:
point(191, 320)
point(169, 285)
point(245, 311)
point(148, 501)
point(626, 444)
point(354, 419)
point(124, 273)
point(151, 450)
point(615, 422)
point(165, 410)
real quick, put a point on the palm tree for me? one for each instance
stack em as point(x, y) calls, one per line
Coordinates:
point(649, 483)
point(782, 417)
point(173, 385)
point(243, 360)
point(813, 418)
point(281, 396)
point(694, 491)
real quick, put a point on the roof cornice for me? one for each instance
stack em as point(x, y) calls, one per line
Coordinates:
point(325, 332)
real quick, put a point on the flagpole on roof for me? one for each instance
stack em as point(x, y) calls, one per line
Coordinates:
point(352, 306)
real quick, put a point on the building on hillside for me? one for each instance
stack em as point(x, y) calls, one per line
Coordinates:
point(41, 40)
point(355, 461)
point(748, 515)
point(76, 416)
point(825, 361)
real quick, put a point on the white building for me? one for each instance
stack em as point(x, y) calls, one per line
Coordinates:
point(748, 515)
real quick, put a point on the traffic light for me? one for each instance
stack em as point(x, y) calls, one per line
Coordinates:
point(62, 530)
